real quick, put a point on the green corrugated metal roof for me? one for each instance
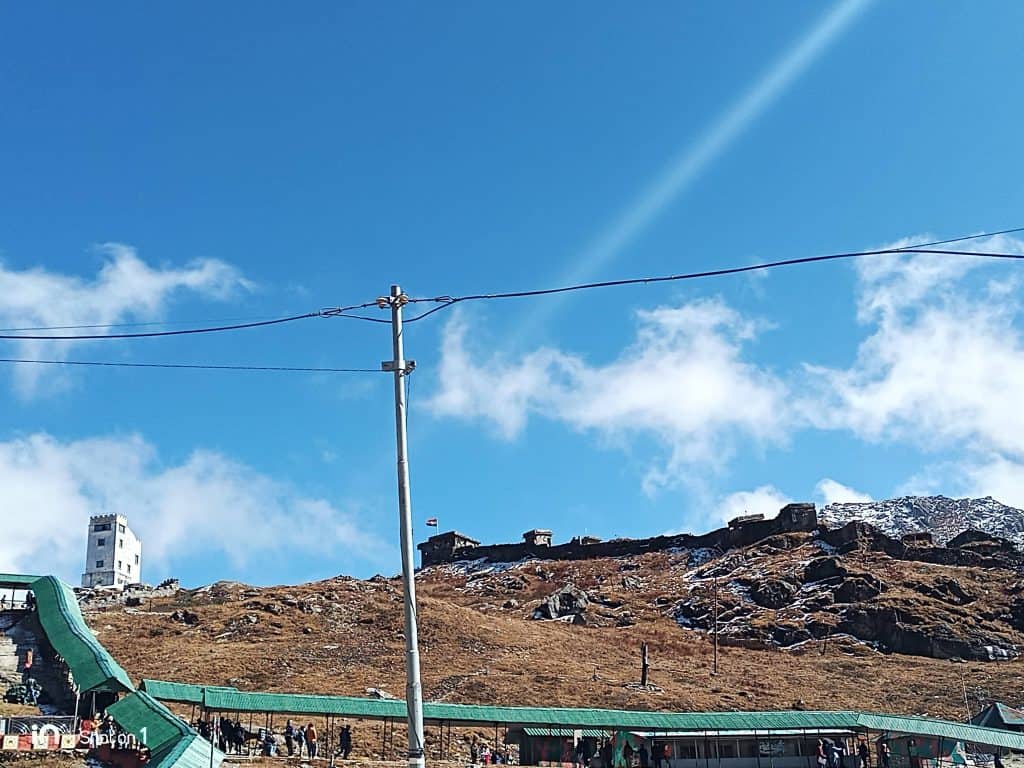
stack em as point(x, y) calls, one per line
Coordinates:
point(140, 711)
point(231, 700)
point(16, 580)
point(190, 752)
point(172, 742)
point(182, 693)
point(92, 667)
point(926, 726)
point(587, 733)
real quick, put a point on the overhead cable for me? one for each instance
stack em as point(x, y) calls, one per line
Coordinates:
point(194, 366)
point(447, 301)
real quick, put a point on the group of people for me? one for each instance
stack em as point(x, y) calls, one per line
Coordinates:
point(481, 754)
point(232, 736)
point(585, 750)
point(832, 754)
point(29, 603)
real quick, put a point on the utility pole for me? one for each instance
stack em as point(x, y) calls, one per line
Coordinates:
point(716, 625)
point(402, 368)
point(644, 665)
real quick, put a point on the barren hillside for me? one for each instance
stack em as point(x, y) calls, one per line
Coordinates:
point(480, 641)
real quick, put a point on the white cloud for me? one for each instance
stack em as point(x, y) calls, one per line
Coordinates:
point(944, 362)
point(683, 382)
point(207, 505)
point(995, 476)
point(833, 492)
point(125, 288)
point(766, 500)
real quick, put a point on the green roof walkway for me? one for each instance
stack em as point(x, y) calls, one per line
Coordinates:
point(222, 699)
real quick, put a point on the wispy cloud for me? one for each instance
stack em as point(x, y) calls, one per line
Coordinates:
point(125, 288)
point(693, 159)
point(209, 505)
point(684, 382)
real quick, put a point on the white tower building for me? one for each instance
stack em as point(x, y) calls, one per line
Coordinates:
point(113, 556)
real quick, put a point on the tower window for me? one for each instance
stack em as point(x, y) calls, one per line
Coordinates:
point(136, 559)
point(120, 528)
point(101, 527)
point(120, 543)
point(99, 563)
point(101, 542)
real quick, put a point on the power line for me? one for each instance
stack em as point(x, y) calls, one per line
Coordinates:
point(254, 323)
point(447, 301)
point(140, 324)
point(196, 366)
point(151, 334)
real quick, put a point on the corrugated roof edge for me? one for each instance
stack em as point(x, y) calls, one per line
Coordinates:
point(75, 624)
point(926, 726)
point(595, 718)
point(8, 579)
point(189, 752)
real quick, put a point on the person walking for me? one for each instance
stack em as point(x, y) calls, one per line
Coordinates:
point(863, 754)
point(820, 754)
point(644, 755)
point(474, 752)
point(886, 756)
point(300, 740)
point(311, 741)
point(289, 738)
point(346, 742)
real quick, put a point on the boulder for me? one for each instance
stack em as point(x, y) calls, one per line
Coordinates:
point(947, 590)
point(568, 601)
point(773, 593)
point(185, 617)
point(858, 589)
point(823, 569)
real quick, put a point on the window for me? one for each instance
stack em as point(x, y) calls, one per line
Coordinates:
point(727, 749)
point(136, 559)
point(101, 542)
point(129, 569)
point(101, 527)
point(120, 528)
point(119, 565)
point(120, 543)
point(686, 750)
point(99, 563)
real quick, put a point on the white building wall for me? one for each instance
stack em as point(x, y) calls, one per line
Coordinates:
point(113, 556)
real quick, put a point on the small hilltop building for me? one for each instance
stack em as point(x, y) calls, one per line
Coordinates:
point(113, 555)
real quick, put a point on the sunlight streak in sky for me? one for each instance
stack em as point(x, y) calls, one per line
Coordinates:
point(692, 160)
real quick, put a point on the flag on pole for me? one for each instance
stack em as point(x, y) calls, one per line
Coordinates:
point(432, 522)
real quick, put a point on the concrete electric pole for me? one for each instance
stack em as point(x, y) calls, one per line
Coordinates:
point(402, 368)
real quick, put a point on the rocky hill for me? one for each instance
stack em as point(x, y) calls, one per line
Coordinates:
point(943, 517)
point(841, 618)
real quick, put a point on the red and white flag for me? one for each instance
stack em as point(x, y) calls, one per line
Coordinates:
point(432, 522)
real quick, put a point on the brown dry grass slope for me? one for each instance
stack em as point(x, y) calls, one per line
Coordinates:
point(479, 645)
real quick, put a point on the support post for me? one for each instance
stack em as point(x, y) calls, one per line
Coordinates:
point(644, 665)
point(402, 368)
point(715, 667)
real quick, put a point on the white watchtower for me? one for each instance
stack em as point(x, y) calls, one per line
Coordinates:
point(113, 556)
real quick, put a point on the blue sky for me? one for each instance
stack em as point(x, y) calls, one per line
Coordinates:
point(202, 162)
